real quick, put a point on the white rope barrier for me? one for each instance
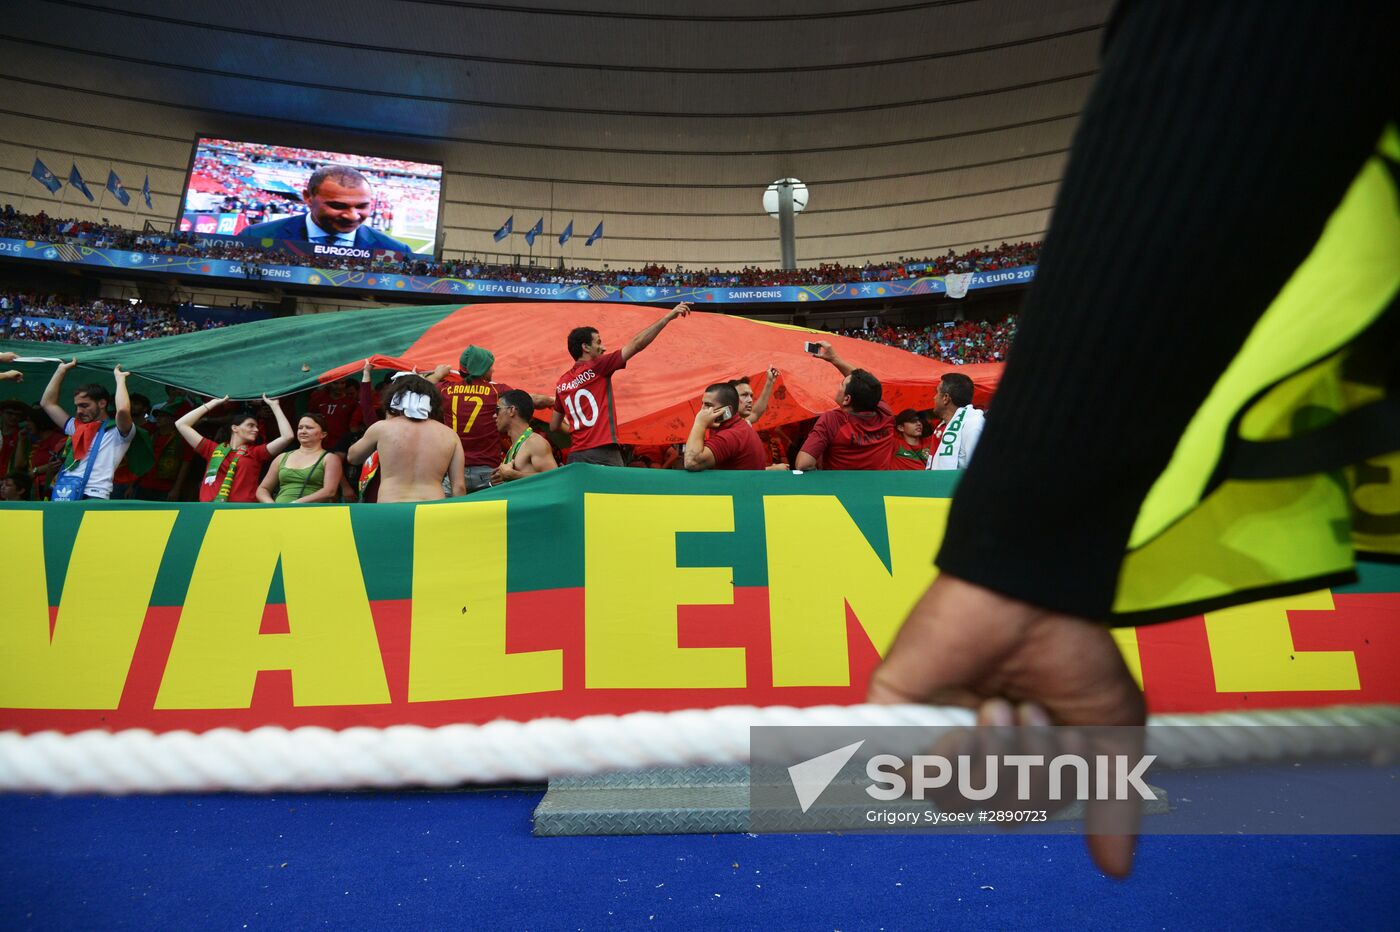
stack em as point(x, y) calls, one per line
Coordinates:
point(313, 758)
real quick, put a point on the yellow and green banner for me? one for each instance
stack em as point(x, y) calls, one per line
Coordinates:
point(586, 590)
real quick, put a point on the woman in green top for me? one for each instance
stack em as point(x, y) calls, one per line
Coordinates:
point(306, 474)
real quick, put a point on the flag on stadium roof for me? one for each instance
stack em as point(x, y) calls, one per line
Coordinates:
point(75, 179)
point(41, 174)
point(114, 184)
point(504, 231)
point(535, 230)
point(567, 234)
point(146, 189)
point(595, 235)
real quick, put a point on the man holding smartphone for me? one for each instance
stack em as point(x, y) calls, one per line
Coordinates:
point(732, 442)
point(859, 434)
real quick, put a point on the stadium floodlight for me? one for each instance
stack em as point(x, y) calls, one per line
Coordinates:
point(799, 196)
point(785, 199)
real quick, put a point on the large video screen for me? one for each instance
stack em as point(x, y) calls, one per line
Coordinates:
point(264, 192)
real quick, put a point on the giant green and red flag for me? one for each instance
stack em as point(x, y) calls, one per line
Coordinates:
point(657, 394)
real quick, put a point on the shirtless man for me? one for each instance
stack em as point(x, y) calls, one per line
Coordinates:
point(415, 448)
point(529, 452)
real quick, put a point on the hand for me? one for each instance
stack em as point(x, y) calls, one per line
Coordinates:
point(826, 351)
point(8, 357)
point(772, 373)
point(213, 403)
point(440, 372)
point(777, 467)
point(11, 375)
point(680, 310)
point(270, 402)
point(119, 373)
point(65, 366)
point(707, 417)
point(963, 644)
point(365, 371)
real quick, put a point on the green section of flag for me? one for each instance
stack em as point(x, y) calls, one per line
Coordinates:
point(277, 357)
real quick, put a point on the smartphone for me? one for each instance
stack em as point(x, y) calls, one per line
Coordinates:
point(724, 414)
point(813, 348)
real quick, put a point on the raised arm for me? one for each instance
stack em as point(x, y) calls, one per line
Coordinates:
point(185, 425)
point(642, 340)
point(49, 401)
point(284, 427)
point(123, 402)
point(830, 355)
point(761, 404)
point(541, 401)
point(556, 421)
point(368, 414)
point(699, 457)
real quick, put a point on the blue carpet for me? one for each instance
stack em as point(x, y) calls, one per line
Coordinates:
point(468, 861)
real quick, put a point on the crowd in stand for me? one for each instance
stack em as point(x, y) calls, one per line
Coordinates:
point(15, 225)
point(63, 319)
point(957, 342)
point(403, 440)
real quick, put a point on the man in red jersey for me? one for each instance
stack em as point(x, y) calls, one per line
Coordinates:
point(857, 435)
point(338, 403)
point(470, 407)
point(732, 442)
point(910, 448)
point(584, 393)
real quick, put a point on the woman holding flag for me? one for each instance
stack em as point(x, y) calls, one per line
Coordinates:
point(234, 468)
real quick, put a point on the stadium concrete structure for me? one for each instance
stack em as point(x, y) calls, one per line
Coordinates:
point(926, 127)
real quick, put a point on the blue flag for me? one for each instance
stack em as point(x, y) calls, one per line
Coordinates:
point(504, 231)
point(114, 184)
point(535, 230)
point(146, 190)
point(567, 234)
point(595, 235)
point(41, 174)
point(76, 180)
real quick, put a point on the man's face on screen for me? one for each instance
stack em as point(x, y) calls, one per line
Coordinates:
point(336, 208)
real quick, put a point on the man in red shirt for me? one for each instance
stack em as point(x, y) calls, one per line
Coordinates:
point(470, 406)
point(910, 450)
point(339, 404)
point(165, 481)
point(859, 434)
point(732, 442)
point(584, 393)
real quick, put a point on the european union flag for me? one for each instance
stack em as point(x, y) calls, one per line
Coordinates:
point(41, 174)
point(75, 179)
point(567, 234)
point(504, 231)
point(146, 190)
point(114, 184)
point(595, 235)
point(535, 230)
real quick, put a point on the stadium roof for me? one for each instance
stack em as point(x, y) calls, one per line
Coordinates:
point(918, 126)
